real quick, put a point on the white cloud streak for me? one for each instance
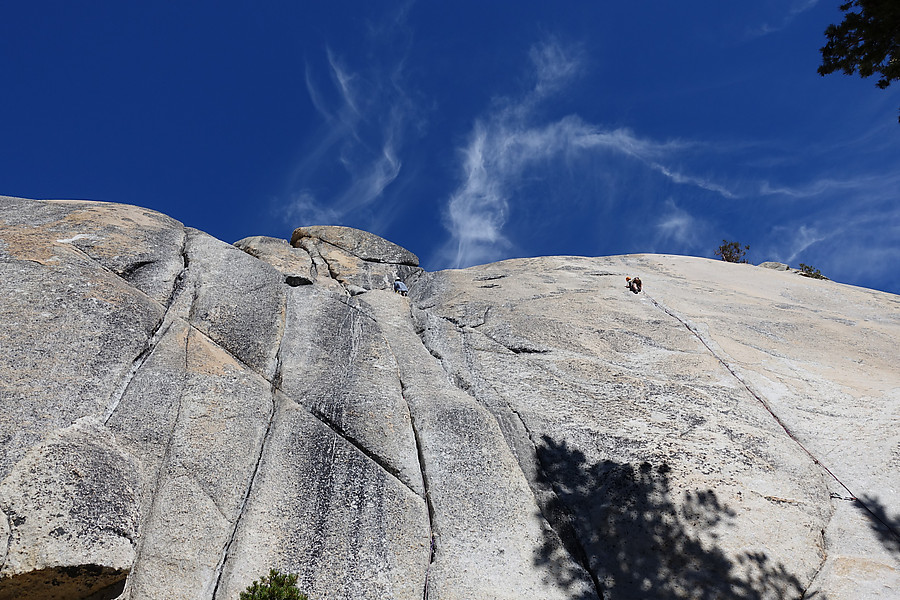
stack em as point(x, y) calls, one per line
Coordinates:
point(315, 97)
point(370, 182)
point(343, 81)
point(478, 209)
point(366, 116)
point(803, 238)
point(796, 9)
point(511, 145)
point(555, 65)
point(869, 183)
point(506, 143)
point(679, 226)
point(854, 241)
point(303, 208)
point(699, 182)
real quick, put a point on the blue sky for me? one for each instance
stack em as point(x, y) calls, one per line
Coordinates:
point(465, 131)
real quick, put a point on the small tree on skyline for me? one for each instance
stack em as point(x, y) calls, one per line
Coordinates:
point(732, 252)
point(811, 271)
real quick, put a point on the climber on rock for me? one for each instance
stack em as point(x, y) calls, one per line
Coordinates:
point(633, 284)
point(400, 288)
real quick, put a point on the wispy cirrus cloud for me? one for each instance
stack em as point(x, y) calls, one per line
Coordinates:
point(851, 240)
point(700, 182)
point(802, 238)
point(691, 192)
point(367, 116)
point(879, 184)
point(315, 97)
point(303, 208)
point(679, 227)
point(344, 82)
point(794, 10)
point(512, 141)
point(555, 65)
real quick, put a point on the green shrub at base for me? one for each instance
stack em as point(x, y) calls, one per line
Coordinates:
point(274, 586)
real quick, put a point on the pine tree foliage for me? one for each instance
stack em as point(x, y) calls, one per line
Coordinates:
point(811, 271)
point(274, 586)
point(867, 41)
point(732, 252)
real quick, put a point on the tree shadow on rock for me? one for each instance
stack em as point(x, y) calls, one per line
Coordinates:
point(887, 528)
point(621, 522)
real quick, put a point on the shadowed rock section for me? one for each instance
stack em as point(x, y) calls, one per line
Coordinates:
point(642, 542)
point(91, 582)
point(179, 415)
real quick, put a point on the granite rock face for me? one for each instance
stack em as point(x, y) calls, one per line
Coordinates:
point(179, 415)
point(358, 260)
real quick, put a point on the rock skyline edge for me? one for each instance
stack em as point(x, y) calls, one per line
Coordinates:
point(180, 414)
